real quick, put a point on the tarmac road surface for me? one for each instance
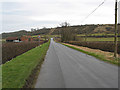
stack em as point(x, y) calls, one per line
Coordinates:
point(67, 68)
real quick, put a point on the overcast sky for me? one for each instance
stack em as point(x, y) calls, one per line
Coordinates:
point(27, 14)
point(119, 11)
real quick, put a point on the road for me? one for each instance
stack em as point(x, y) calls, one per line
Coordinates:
point(67, 68)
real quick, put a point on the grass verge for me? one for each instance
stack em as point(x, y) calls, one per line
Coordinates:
point(16, 72)
point(100, 57)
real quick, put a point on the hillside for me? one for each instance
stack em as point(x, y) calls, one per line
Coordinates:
point(104, 28)
point(79, 29)
point(23, 32)
point(90, 29)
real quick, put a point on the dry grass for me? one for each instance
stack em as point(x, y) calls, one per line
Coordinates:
point(107, 55)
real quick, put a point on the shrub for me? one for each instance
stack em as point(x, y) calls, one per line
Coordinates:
point(105, 46)
point(11, 50)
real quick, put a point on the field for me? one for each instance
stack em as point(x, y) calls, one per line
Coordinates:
point(46, 36)
point(96, 37)
point(99, 39)
point(97, 34)
point(79, 38)
point(16, 72)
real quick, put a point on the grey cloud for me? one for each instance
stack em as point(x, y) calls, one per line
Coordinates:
point(119, 12)
point(16, 15)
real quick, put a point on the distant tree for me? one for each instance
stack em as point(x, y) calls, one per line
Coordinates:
point(32, 29)
point(67, 34)
point(37, 29)
point(44, 28)
point(64, 24)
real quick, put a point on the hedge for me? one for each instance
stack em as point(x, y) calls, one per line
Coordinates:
point(11, 50)
point(102, 45)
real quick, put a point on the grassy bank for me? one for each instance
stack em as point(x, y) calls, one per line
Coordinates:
point(100, 57)
point(16, 72)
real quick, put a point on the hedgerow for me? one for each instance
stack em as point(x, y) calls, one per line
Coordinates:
point(102, 45)
point(11, 50)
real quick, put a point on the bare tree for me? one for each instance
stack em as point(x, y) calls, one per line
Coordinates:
point(67, 34)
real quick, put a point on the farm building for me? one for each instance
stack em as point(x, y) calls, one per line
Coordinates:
point(21, 39)
point(12, 39)
point(26, 38)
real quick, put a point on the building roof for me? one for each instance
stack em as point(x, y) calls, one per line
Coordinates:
point(12, 38)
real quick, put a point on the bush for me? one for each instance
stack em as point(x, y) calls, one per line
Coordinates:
point(105, 46)
point(11, 50)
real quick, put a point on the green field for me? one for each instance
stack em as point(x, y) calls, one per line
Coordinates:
point(96, 34)
point(47, 36)
point(16, 71)
point(99, 39)
point(88, 38)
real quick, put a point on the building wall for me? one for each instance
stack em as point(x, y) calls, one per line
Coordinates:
point(26, 38)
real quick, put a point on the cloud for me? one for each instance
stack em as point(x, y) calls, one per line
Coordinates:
point(119, 12)
point(25, 14)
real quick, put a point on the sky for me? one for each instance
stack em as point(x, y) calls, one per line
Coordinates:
point(18, 15)
point(119, 12)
